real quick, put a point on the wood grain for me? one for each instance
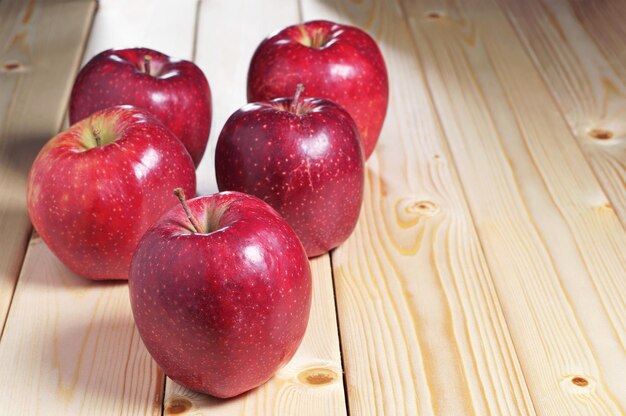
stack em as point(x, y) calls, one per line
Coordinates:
point(552, 245)
point(573, 47)
point(422, 330)
point(310, 384)
point(318, 358)
point(70, 346)
point(38, 60)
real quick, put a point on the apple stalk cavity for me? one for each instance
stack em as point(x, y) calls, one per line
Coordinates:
point(180, 194)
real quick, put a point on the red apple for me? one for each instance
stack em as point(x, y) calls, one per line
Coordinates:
point(338, 62)
point(304, 158)
point(175, 91)
point(95, 188)
point(221, 291)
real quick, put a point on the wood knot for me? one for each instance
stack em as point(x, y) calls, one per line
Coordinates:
point(411, 210)
point(177, 406)
point(578, 384)
point(13, 67)
point(580, 381)
point(426, 208)
point(433, 15)
point(601, 134)
point(318, 376)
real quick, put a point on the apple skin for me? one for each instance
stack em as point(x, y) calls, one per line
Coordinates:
point(91, 204)
point(308, 166)
point(338, 62)
point(222, 310)
point(175, 91)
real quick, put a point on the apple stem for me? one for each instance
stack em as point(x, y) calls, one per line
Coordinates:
point(180, 194)
point(318, 38)
point(146, 64)
point(96, 136)
point(295, 103)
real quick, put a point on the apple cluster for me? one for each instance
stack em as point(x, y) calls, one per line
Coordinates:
point(220, 285)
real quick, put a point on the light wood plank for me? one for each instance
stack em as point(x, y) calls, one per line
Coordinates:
point(38, 60)
point(85, 355)
point(228, 34)
point(70, 346)
point(586, 71)
point(555, 251)
point(167, 26)
point(310, 384)
point(603, 22)
point(422, 330)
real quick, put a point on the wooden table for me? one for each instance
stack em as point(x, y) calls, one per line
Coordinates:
point(487, 273)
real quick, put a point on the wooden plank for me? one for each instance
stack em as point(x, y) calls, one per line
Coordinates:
point(586, 71)
point(166, 26)
point(553, 247)
point(603, 22)
point(422, 330)
point(38, 60)
point(228, 34)
point(310, 384)
point(70, 345)
point(288, 393)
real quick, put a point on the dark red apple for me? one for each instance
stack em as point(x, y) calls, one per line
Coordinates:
point(95, 188)
point(338, 62)
point(304, 158)
point(175, 91)
point(221, 292)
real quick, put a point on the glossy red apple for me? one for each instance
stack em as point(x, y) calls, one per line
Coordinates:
point(175, 91)
point(338, 62)
point(304, 158)
point(95, 188)
point(221, 292)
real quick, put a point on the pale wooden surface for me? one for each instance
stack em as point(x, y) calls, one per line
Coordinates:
point(486, 274)
point(70, 346)
point(585, 70)
point(556, 255)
